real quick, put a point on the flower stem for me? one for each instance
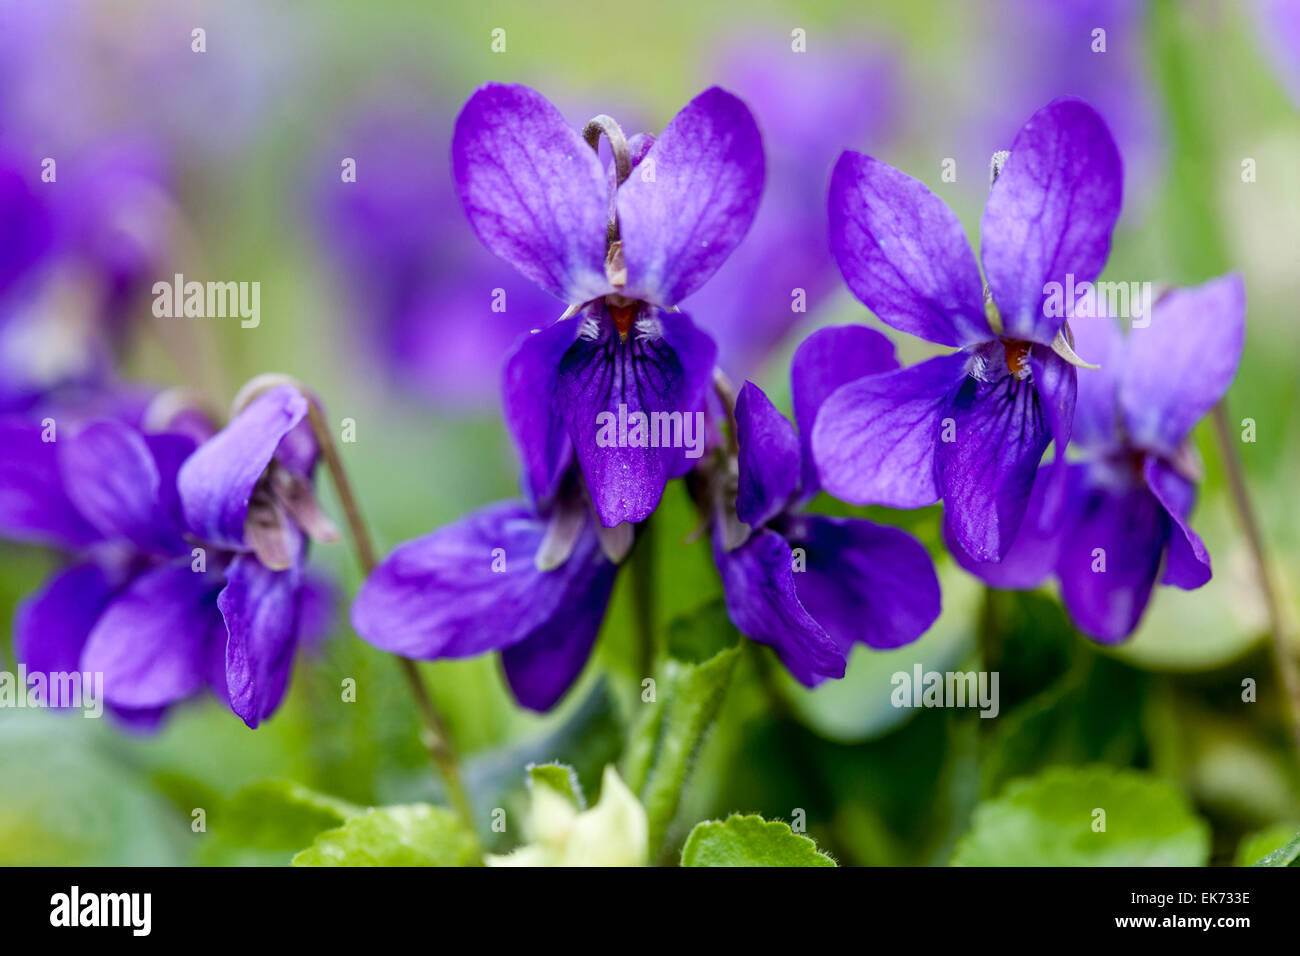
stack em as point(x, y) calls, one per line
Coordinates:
point(1282, 631)
point(434, 736)
point(643, 595)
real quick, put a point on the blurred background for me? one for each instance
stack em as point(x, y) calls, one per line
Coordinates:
point(227, 164)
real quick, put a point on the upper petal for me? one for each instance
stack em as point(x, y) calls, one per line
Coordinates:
point(661, 372)
point(1188, 564)
point(260, 608)
point(217, 481)
point(903, 252)
point(768, 459)
point(874, 439)
point(758, 584)
point(864, 582)
point(1181, 364)
point(1050, 214)
point(823, 362)
point(691, 199)
point(152, 641)
point(532, 189)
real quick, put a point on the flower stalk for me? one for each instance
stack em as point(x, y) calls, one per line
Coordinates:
point(434, 735)
point(1282, 630)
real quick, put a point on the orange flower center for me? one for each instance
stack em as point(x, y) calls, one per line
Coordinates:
point(1017, 356)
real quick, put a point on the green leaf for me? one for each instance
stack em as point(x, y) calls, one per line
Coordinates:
point(66, 801)
point(1049, 820)
point(412, 835)
point(1256, 850)
point(703, 649)
point(750, 841)
point(265, 823)
point(561, 778)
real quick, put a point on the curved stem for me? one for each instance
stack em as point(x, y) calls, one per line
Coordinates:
point(434, 736)
point(1282, 631)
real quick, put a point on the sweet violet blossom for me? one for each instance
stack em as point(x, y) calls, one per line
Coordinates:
point(806, 585)
point(621, 247)
point(162, 605)
point(532, 584)
point(969, 427)
point(1127, 504)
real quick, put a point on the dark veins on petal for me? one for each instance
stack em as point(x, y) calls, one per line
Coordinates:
point(601, 364)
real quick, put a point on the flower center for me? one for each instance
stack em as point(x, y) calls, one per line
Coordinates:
point(622, 312)
point(1017, 357)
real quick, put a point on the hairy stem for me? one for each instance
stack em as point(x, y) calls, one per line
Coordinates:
point(434, 735)
point(1282, 631)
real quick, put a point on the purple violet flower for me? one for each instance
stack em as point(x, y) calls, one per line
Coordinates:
point(810, 586)
point(969, 427)
point(1125, 517)
point(621, 247)
point(506, 578)
point(160, 618)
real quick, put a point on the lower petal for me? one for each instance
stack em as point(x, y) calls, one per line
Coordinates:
point(634, 407)
point(544, 665)
point(758, 584)
point(1188, 565)
point(51, 626)
point(151, 641)
point(1000, 430)
point(260, 608)
point(864, 582)
point(1110, 558)
point(468, 588)
point(1034, 552)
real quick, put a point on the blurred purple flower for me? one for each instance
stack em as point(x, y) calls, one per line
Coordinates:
point(429, 302)
point(969, 427)
point(1125, 518)
point(621, 247)
point(76, 257)
point(160, 618)
point(1279, 28)
point(809, 105)
point(532, 585)
point(808, 586)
